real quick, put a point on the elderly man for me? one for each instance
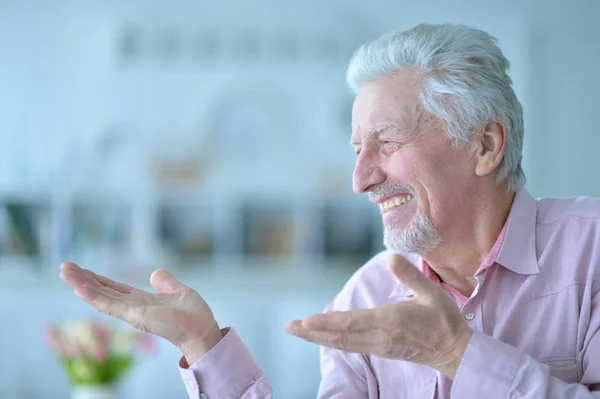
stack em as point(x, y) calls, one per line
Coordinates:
point(484, 292)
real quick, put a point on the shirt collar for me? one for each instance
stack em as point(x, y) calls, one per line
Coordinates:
point(518, 251)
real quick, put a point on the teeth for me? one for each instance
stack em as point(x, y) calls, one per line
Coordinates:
point(394, 202)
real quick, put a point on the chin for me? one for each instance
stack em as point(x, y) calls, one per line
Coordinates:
point(418, 237)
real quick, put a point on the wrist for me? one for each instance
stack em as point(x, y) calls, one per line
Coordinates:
point(196, 347)
point(450, 367)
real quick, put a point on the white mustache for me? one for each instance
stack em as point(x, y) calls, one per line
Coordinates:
point(389, 189)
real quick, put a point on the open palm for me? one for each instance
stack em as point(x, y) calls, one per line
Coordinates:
point(177, 313)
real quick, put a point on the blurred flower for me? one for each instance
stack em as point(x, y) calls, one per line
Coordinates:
point(123, 342)
point(94, 352)
point(53, 338)
point(86, 338)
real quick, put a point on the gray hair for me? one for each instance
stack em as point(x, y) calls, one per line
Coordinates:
point(465, 82)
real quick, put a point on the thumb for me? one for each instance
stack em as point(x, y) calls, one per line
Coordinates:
point(164, 282)
point(409, 275)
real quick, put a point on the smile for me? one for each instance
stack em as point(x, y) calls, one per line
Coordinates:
point(390, 204)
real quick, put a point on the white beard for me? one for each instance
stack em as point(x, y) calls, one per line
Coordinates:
point(419, 236)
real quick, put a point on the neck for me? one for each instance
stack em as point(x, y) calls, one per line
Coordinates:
point(470, 240)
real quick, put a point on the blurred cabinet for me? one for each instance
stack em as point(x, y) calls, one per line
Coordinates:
point(123, 236)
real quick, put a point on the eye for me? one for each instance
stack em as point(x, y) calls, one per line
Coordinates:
point(388, 144)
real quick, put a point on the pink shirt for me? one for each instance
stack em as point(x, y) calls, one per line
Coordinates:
point(488, 262)
point(535, 314)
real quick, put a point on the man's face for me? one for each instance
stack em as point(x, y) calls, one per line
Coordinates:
point(408, 165)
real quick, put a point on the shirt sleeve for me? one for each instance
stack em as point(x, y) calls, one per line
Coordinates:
point(227, 371)
point(342, 379)
point(345, 375)
point(493, 369)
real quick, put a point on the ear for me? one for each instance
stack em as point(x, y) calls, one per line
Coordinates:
point(490, 145)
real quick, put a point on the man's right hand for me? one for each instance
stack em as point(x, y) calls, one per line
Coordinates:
point(177, 313)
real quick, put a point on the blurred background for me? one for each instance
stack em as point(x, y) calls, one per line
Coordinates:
point(211, 139)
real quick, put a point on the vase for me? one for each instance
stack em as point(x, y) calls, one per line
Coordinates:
point(93, 392)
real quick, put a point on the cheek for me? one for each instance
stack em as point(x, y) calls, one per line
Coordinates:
point(421, 173)
point(440, 178)
point(450, 167)
point(424, 171)
point(445, 182)
point(405, 167)
point(450, 193)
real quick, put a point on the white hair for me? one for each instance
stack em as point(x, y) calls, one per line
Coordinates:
point(464, 82)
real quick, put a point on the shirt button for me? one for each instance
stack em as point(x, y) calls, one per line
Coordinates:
point(470, 316)
point(191, 385)
point(203, 396)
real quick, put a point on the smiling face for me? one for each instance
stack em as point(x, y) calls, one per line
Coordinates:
point(408, 165)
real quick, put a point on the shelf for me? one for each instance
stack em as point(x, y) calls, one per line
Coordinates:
point(223, 234)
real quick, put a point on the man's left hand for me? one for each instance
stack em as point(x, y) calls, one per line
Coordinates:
point(427, 329)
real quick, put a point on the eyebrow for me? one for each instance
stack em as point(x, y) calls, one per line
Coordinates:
point(373, 132)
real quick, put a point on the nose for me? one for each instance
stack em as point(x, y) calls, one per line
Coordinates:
point(367, 173)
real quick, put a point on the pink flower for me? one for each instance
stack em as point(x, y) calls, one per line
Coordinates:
point(72, 349)
point(82, 339)
point(102, 335)
point(54, 339)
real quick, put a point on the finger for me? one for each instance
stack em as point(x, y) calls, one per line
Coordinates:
point(164, 282)
point(104, 303)
point(72, 271)
point(115, 285)
point(423, 288)
point(357, 341)
point(74, 275)
point(69, 266)
point(91, 279)
point(355, 320)
point(85, 278)
point(78, 278)
point(74, 278)
point(100, 290)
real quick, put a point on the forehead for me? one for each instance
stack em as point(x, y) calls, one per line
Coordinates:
point(389, 101)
